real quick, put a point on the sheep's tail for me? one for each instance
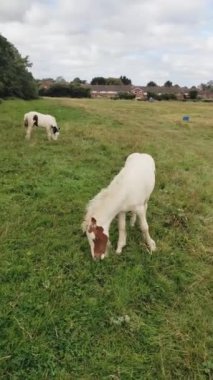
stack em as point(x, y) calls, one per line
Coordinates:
point(26, 121)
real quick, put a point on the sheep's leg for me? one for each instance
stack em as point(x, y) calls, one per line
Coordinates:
point(133, 219)
point(122, 232)
point(49, 136)
point(29, 132)
point(145, 228)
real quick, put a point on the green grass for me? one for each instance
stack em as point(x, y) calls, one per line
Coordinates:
point(58, 308)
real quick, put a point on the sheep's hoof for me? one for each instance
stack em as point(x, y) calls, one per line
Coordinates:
point(132, 223)
point(118, 251)
point(152, 246)
point(132, 220)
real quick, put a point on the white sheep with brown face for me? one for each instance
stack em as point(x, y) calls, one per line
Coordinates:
point(33, 120)
point(129, 191)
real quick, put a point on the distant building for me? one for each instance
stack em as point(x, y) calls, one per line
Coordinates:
point(107, 91)
point(45, 83)
point(140, 92)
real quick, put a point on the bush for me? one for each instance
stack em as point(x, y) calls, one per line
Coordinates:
point(56, 90)
point(162, 96)
point(65, 90)
point(168, 97)
point(79, 92)
point(126, 96)
point(193, 94)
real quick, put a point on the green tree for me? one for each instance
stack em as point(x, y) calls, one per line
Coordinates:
point(60, 80)
point(98, 80)
point(15, 79)
point(168, 83)
point(210, 84)
point(151, 84)
point(125, 80)
point(207, 86)
point(78, 81)
point(113, 81)
point(65, 90)
point(193, 93)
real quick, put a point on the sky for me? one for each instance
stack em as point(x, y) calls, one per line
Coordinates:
point(145, 40)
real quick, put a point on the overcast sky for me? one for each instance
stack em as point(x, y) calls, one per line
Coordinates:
point(143, 39)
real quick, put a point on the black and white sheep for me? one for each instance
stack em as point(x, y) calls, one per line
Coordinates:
point(35, 119)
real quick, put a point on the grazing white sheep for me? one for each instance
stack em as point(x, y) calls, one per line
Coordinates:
point(33, 120)
point(129, 191)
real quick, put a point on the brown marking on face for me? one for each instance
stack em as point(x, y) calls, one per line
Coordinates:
point(100, 241)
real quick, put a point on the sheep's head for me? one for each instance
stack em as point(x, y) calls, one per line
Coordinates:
point(98, 240)
point(55, 132)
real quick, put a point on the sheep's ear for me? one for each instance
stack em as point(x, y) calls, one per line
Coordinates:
point(93, 222)
point(93, 225)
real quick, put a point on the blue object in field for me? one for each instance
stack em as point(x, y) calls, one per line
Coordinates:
point(186, 118)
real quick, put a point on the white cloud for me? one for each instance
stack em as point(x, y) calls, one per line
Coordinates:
point(142, 39)
point(13, 10)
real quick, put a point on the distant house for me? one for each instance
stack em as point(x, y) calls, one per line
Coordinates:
point(107, 91)
point(143, 92)
point(45, 83)
point(205, 94)
point(140, 92)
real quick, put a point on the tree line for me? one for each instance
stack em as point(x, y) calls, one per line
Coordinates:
point(65, 90)
point(17, 81)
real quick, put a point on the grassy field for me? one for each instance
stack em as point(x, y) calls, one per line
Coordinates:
point(60, 312)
